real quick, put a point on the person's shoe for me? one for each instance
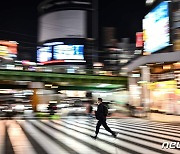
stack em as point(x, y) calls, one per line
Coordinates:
point(94, 137)
point(115, 134)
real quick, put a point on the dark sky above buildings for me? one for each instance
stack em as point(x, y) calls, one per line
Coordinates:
point(18, 18)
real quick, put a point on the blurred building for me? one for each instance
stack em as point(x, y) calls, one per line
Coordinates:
point(154, 76)
point(127, 52)
point(74, 24)
point(116, 54)
point(64, 19)
point(176, 24)
point(108, 36)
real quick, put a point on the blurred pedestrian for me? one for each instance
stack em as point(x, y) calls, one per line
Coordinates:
point(101, 114)
point(131, 109)
point(89, 110)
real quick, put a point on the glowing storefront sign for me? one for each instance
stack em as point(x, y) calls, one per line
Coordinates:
point(163, 85)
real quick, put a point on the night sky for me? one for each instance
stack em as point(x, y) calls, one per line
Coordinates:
point(125, 15)
point(18, 19)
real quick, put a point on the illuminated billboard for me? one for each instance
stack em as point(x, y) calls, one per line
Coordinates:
point(8, 49)
point(156, 33)
point(63, 52)
point(44, 54)
point(139, 39)
point(62, 24)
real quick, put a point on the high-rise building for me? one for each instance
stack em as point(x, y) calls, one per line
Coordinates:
point(108, 36)
point(66, 25)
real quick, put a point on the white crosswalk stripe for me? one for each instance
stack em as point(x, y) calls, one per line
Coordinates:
point(60, 137)
point(134, 134)
point(152, 129)
point(83, 125)
point(18, 139)
point(118, 142)
point(73, 129)
point(39, 137)
point(72, 136)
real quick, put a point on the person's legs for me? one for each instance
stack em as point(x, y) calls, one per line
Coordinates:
point(97, 127)
point(107, 128)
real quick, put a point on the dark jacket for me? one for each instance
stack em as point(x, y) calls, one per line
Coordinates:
point(100, 112)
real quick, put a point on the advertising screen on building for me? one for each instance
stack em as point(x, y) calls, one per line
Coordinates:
point(156, 34)
point(139, 39)
point(44, 54)
point(63, 52)
point(62, 24)
point(8, 49)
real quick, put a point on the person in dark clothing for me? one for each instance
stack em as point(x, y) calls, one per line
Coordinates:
point(89, 110)
point(101, 117)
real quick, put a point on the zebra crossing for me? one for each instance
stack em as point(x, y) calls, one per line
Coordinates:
point(72, 136)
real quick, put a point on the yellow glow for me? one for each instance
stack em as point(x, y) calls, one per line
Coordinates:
point(48, 85)
point(172, 84)
point(166, 67)
point(178, 63)
point(54, 87)
point(146, 53)
point(53, 102)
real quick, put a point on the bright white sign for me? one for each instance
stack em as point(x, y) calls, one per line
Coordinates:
point(156, 28)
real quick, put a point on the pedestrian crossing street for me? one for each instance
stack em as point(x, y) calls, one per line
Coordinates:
point(72, 136)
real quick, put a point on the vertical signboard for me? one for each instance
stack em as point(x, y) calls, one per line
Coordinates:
point(139, 39)
point(156, 29)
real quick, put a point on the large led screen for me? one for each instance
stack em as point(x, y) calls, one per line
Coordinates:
point(44, 54)
point(156, 28)
point(63, 52)
point(62, 24)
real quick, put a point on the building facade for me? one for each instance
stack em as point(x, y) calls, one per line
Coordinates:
point(154, 76)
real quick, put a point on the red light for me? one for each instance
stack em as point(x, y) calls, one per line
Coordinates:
point(53, 61)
